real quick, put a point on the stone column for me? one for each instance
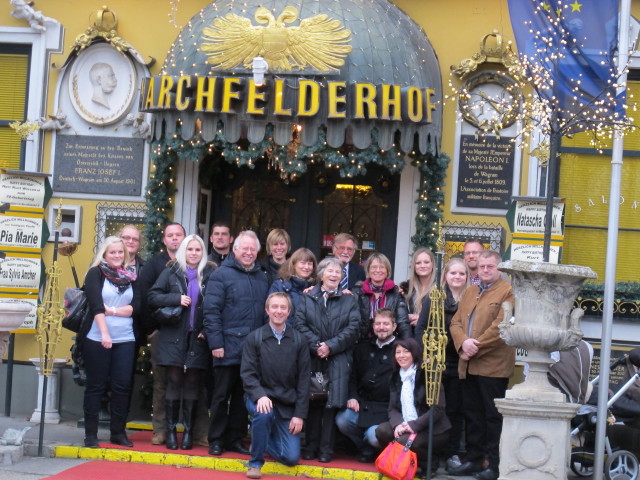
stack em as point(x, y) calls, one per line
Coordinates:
point(535, 442)
point(51, 413)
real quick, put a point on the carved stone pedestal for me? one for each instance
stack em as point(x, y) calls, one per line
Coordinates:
point(51, 411)
point(535, 441)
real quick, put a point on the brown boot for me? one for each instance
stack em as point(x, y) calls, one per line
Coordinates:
point(158, 438)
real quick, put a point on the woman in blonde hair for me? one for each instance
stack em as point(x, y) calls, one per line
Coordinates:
point(420, 283)
point(455, 279)
point(107, 339)
point(296, 275)
point(182, 346)
point(278, 245)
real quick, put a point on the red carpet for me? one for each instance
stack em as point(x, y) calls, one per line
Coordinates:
point(100, 470)
point(142, 442)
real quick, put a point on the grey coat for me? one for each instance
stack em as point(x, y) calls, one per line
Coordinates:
point(337, 325)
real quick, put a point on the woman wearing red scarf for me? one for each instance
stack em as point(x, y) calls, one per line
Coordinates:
point(379, 291)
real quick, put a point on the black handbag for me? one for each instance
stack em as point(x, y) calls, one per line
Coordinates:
point(171, 315)
point(319, 387)
point(76, 308)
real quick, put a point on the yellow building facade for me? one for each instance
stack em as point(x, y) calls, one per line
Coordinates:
point(50, 57)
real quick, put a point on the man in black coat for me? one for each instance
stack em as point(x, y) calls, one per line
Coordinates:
point(275, 373)
point(344, 248)
point(369, 387)
point(233, 307)
point(172, 237)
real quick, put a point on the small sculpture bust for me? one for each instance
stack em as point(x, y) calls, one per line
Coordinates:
point(25, 11)
point(54, 122)
point(139, 125)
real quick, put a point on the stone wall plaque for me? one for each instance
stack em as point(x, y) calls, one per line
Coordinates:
point(99, 165)
point(485, 172)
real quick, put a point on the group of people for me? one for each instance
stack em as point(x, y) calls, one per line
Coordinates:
point(250, 336)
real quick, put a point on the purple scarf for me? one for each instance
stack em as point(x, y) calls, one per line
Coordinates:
point(193, 290)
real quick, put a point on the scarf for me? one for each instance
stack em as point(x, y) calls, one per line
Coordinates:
point(327, 294)
point(377, 294)
point(120, 277)
point(193, 290)
point(408, 378)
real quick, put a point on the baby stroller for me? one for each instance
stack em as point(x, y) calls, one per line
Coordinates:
point(619, 464)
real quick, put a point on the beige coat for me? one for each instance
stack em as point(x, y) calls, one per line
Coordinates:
point(494, 357)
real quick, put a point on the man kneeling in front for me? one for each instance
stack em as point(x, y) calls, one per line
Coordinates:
point(275, 374)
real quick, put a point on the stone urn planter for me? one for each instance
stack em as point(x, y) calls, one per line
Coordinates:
point(534, 444)
point(12, 315)
point(544, 322)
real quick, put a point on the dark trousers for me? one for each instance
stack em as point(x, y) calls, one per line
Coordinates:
point(229, 417)
point(159, 417)
point(455, 412)
point(320, 429)
point(108, 368)
point(420, 445)
point(484, 422)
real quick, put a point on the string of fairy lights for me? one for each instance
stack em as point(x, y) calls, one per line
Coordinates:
point(350, 162)
point(546, 104)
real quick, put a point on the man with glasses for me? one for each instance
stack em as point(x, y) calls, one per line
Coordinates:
point(233, 307)
point(472, 250)
point(485, 365)
point(344, 248)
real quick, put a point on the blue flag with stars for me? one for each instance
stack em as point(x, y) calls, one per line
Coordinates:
point(568, 47)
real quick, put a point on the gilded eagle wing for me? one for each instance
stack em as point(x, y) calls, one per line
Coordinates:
point(231, 41)
point(320, 42)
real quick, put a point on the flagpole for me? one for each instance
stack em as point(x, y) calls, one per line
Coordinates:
point(612, 246)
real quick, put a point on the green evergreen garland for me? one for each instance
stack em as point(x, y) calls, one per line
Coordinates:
point(350, 162)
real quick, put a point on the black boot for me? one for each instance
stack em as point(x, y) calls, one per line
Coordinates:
point(118, 433)
point(188, 416)
point(172, 412)
point(91, 431)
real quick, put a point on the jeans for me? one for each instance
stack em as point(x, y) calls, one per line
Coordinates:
point(347, 422)
point(270, 434)
point(108, 366)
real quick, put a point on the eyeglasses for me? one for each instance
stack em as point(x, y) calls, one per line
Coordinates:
point(130, 239)
point(487, 267)
point(344, 248)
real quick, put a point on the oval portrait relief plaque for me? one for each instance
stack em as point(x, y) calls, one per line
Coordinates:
point(102, 84)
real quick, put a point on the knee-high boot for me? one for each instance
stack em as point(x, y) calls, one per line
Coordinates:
point(188, 417)
point(172, 412)
point(91, 431)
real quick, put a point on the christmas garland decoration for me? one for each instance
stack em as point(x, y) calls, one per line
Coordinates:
point(292, 160)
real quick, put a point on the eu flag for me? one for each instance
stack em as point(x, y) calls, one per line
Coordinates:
point(568, 47)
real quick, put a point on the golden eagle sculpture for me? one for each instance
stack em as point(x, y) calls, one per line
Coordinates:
point(318, 42)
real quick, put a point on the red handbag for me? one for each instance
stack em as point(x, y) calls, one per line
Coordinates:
point(397, 461)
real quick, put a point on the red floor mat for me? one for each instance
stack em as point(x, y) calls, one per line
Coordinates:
point(100, 470)
point(142, 442)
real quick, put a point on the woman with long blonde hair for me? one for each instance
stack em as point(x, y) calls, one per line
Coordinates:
point(455, 279)
point(107, 339)
point(182, 346)
point(421, 281)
